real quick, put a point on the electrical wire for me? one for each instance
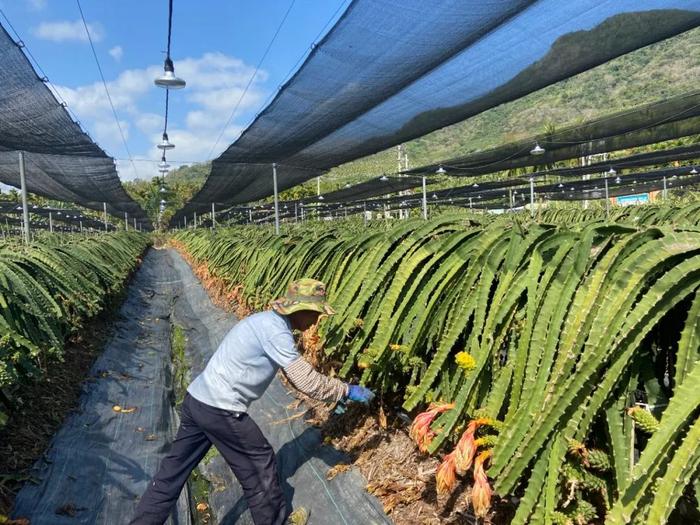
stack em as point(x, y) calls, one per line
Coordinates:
point(170, 25)
point(104, 83)
point(167, 98)
point(167, 91)
point(250, 80)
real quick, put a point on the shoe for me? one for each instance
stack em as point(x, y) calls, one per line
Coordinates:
point(299, 517)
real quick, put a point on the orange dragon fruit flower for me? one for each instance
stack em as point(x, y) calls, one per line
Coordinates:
point(446, 475)
point(481, 491)
point(420, 431)
point(466, 446)
point(464, 452)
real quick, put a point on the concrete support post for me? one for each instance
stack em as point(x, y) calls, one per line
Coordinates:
point(274, 187)
point(607, 200)
point(665, 194)
point(25, 208)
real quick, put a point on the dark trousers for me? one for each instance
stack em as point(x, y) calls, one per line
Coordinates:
point(239, 440)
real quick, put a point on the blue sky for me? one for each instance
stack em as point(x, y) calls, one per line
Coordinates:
point(215, 46)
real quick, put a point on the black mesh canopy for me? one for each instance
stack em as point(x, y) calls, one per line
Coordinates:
point(41, 220)
point(641, 182)
point(58, 215)
point(646, 124)
point(364, 190)
point(61, 161)
point(568, 190)
point(86, 181)
point(651, 158)
point(371, 188)
point(390, 71)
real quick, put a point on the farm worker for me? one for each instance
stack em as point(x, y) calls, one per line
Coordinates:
point(214, 411)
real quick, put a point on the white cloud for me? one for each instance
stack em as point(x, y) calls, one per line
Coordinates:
point(126, 170)
point(90, 101)
point(66, 31)
point(195, 145)
point(215, 83)
point(216, 70)
point(149, 123)
point(37, 5)
point(225, 99)
point(116, 53)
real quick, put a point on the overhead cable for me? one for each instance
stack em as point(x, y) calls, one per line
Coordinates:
point(104, 83)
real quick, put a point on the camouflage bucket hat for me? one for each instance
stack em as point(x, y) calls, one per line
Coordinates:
point(304, 294)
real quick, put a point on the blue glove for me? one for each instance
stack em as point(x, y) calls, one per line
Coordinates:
point(360, 394)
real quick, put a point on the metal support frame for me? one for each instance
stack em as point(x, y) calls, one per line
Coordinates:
point(213, 217)
point(126, 221)
point(532, 197)
point(134, 224)
point(104, 209)
point(510, 198)
point(607, 200)
point(665, 193)
point(50, 222)
point(274, 187)
point(195, 220)
point(425, 202)
point(25, 208)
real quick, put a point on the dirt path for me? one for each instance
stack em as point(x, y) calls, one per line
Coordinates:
point(100, 461)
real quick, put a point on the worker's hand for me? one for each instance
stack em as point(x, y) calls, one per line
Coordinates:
point(360, 394)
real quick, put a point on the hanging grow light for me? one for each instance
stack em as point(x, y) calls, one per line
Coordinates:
point(165, 144)
point(537, 150)
point(168, 80)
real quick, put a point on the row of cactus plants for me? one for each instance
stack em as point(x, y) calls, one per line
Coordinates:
point(545, 350)
point(648, 215)
point(47, 291)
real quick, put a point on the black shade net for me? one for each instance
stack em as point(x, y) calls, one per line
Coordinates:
point(371, 188)
point(378, 186)
point(481, 193)
point(66, 215)
point(14, 225)
point(651, 158)
point(64, 225)
point(61, 161)
point(390, 71)
point(646, 124)
point(629, 184)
